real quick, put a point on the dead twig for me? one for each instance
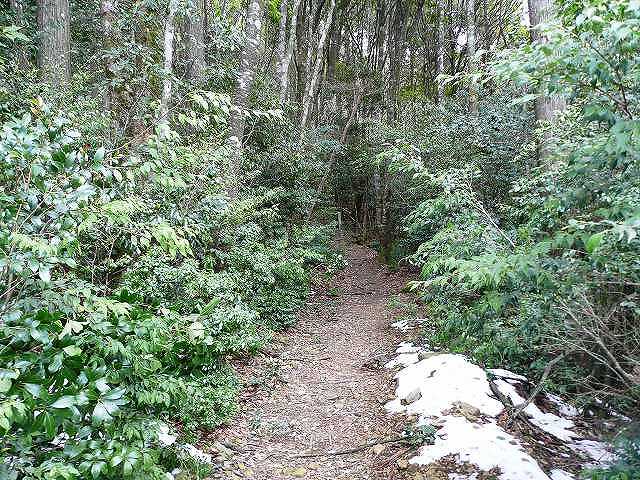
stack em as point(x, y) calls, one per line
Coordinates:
point(357, 449)
point(545, 374)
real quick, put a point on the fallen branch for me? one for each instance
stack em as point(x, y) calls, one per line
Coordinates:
point(354, 449)
point(545, 374)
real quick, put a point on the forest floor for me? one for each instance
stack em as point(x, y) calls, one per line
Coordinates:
point(322, 387)
point(317, 404)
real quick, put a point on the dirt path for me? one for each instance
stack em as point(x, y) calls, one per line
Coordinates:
point(321, 387)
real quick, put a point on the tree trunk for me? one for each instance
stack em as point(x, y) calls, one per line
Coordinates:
point(546, 107)
point(55, 41)
point(237, 120)
point(167, 82)
point(471, 53)
point(302, 44)
point(107, 16)
point(18, 11)
point(315, 76)
point(194, 42)
point(440, 52)
point(287, 53)
point(194, 30)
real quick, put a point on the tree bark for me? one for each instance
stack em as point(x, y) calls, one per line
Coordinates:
point(302, 46)
point(167, 82)
point(545, 107)
point(440, 52)
point(287, 53)
point(237, 120)
point(18, 11)
point(107, 16)
point(194, 30)
point(55, 41)
point(315, 76)
point(471, 53)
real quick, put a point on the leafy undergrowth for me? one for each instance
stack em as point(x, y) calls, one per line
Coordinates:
point(538, 266)
point(127, 283)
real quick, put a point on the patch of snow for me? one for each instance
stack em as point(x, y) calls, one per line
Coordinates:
point(598, 451)
point(506, 374)
point(165, 438)
point(406, 324)
point(402, 325)
point(485, 445)
point(408, 354)
point(564, 408)
point(197, 453)
point(560, 475)
point(403, 360)
point(442, 380)
point(407, 347)
point(458, 476)
point(557, 426)
point(431, 387)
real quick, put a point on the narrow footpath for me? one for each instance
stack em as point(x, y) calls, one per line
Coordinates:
point(322, 387)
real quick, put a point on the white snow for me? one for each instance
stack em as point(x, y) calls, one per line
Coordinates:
point(550, 423)
point(485, 445)
point(407, 355)
point(197, 454)
point(430, 388)
point(442, 380)
point(402, 325)
point(406, 324)
point(564, 408)
point(506, 374)
point(561, 475)
point(598, 451)
point(403, 360)
point(165, 438)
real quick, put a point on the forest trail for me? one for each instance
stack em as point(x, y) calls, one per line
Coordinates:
point(322, 387)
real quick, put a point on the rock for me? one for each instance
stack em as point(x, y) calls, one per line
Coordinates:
point(313, 466)
point(468, 411)
point(403, 464)
point(298, 472)
point(378, 449)
point(411, 397)
point(419, 476)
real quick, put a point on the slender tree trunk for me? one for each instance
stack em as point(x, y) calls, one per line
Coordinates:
point(546, 107)
point(285, 61)
point(247, 71)
point(107, 16)
point(471, 53)
point(55, 41)
point(440, 51)
point(194, 30)
point(167, 82)
point(300, 54)
point(18, 10)
point(315, 76)
point(281, 43)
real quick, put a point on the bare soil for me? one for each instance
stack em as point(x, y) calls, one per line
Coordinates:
point(322, 387)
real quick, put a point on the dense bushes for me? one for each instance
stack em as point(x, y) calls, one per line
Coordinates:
point(523, 263)
point(127, 281)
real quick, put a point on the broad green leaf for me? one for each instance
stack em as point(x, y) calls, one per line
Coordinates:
point(65, 401)
point(593, 242)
